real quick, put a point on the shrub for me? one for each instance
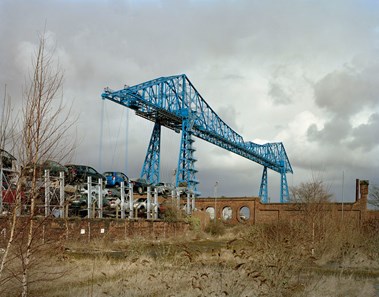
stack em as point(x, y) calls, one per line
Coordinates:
point(215, 227)
point(172, 214)
point(194, 223)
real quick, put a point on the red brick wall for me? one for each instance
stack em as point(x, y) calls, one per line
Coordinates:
point(264, 213)
point(77, 229)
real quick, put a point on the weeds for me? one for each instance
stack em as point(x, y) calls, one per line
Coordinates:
point(258, 260)
point(215, 228)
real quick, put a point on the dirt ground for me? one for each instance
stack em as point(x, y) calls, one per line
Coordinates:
point(274, 260)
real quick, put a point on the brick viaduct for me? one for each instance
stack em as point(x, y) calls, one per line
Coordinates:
point(250, 210)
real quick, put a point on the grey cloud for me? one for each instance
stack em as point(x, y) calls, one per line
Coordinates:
point(348, 91)
point(343, 94)
point(229, 115)
point(278, 94)
point(280, 85)
point(339, 131)
point(333, 132)
point(288, 82)
point(233, 77)
point(366, 136)
point(240, 43)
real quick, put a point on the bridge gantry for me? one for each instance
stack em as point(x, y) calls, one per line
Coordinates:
point(174, 102)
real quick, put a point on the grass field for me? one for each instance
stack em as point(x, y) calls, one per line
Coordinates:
point(284, 259)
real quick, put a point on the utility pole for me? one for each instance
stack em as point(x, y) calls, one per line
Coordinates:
point(215, 197)
point(343, 184)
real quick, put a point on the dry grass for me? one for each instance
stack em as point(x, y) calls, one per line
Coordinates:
point(262, 260)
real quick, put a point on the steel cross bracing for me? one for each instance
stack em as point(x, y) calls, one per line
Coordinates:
point(151, 166)
point(186, 165)
point(175, 103)
point(263, 191)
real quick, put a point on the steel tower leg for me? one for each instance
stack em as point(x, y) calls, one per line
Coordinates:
point(186, 172)
point(151, 166)
point(263, 191)
point(284, 193)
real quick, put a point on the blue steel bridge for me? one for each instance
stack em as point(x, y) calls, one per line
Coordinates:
point(174, 102)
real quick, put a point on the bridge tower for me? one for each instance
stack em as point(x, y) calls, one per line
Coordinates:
point(151, 165)
point(186, 172)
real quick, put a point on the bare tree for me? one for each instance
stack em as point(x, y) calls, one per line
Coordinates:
point(311, 198)
point(314, 192)
point(43, 130)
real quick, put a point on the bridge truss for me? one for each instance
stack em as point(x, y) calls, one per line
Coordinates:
point(174, 102)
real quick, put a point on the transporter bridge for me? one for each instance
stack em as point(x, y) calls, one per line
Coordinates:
point(174, 102)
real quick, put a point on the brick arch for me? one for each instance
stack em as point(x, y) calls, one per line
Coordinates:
point(224, 214)
point(235, 203)
point(244, 221)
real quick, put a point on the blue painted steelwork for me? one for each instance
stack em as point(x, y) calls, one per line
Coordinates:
point(151, 166)
point(174, 102)
point(263, 191)
point(186, 172)
point(284, 193)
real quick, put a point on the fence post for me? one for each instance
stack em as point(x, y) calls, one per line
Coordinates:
point(177, 199)
point(61, 194)
point(188, 205)
point(100, 198)
point(122, 200)
point(156, 206)
point(89, 197)
point(131, 201)
point(148, 203)
point(47, 193)
point(193, 202)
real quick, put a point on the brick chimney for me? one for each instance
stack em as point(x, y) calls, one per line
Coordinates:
point(357, 196)
point(363, 186)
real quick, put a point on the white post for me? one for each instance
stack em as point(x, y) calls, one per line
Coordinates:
point(131, 201)
point(156, 206)
point(61, 194)
point(178, 199)
point(122, 188)
point(148, 203)
point(343, 184)
point(215, 197)
point(100, 198)
point(47, 193)
point(89, 197)
point(193, 202)
point(188, 205)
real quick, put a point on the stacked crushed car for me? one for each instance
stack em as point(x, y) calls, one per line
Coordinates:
point(82, 185)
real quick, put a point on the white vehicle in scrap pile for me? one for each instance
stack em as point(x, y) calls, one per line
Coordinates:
point(164, 189)
point(95, 191)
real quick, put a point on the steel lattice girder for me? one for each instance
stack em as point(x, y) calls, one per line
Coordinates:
point(284, 193)
point(263, 191)
point(170, 100)
point(166, 99)
point(151, 166)
point(186, 164)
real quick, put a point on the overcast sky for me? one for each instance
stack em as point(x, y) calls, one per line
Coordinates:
point(305, 73)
